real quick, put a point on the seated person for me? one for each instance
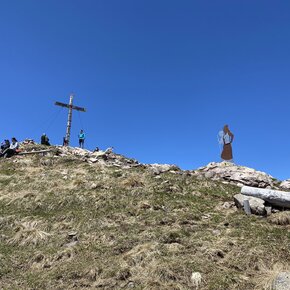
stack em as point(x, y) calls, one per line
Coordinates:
point(12, 150)
point(4, 145)
point(44, 140)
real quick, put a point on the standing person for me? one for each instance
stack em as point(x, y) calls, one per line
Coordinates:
point(64, 143)
point(227, 140)
point(82, 138)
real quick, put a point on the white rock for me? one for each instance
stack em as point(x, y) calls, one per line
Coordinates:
point(196, 279)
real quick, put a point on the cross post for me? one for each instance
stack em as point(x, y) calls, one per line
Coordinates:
point(70, 107)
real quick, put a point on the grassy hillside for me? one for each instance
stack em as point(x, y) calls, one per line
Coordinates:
point(68, 224)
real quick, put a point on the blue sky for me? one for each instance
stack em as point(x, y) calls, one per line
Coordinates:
point(159, 79)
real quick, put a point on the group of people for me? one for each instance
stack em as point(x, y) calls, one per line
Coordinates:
point(8, 148)
point(44, 140)
point(225, 137)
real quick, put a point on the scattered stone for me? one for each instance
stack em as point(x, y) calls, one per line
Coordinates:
point(196, 279)
point(131, 285)
point(93, 186)
point(227, 205)
point(206, 216)
point(72, 234)
point(72, 240)
point(71, 244)
point(216, 232)
point(282, 281)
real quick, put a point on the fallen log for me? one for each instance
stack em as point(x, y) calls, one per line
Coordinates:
point(34, 152)
point(274, 197)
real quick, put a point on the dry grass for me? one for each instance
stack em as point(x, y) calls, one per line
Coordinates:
point(132, 229)
point(133, 181)
point(29, 232)
point(267, 275)
point(280, 218)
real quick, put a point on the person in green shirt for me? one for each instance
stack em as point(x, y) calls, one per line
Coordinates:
point(82, 138)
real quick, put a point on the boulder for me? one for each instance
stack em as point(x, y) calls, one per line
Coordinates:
point(257, 205)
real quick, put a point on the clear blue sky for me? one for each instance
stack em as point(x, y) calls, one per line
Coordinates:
point(159, 79)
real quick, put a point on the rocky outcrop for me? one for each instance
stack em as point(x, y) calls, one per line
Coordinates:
point(222, 171)
point(235, 174)
point(107, 157)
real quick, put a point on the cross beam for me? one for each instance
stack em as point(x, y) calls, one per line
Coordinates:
point(70, 107)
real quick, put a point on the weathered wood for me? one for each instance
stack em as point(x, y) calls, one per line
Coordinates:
point(274, 197)
point(247, 207)
point(34, 152)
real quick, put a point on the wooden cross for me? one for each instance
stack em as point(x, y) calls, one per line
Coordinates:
point(70, 107)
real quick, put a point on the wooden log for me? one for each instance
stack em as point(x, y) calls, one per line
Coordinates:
point(274, 197)
point(34, 152)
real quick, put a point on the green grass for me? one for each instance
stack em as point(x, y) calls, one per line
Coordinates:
point(131, 227)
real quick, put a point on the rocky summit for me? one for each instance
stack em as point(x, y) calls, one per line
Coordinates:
point(240, 175)
point(75, 219)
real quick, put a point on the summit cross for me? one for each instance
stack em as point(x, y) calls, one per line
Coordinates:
point(70, 107)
